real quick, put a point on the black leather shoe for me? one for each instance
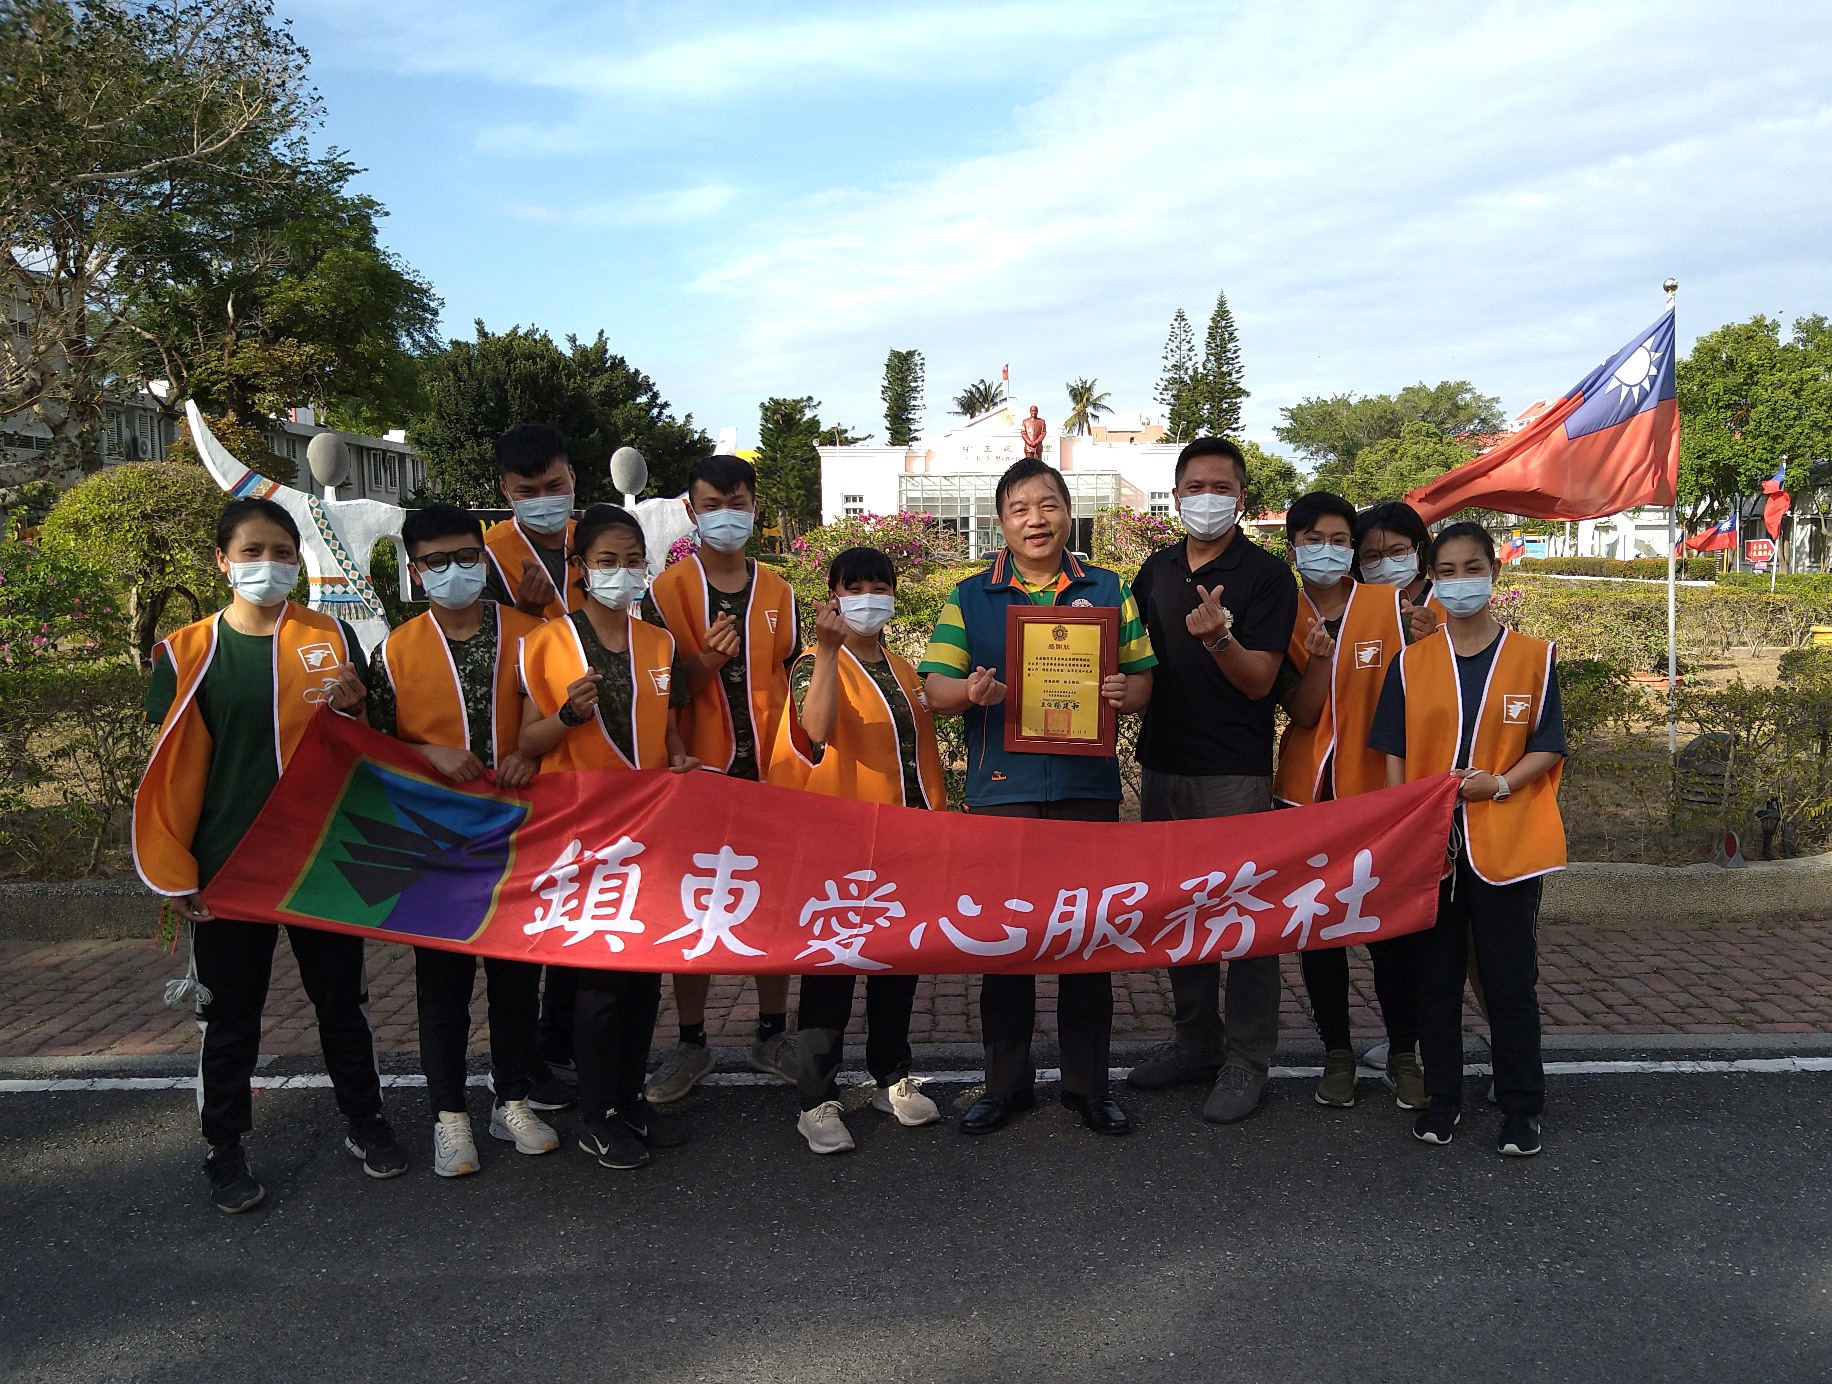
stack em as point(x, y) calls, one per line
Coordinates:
point(989, 1114)
point(1102, 1116)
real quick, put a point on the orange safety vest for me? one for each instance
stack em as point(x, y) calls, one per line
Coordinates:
point(863, 759)
point(429, 703)
point(553, 658)
point(1507, 841)
point(1370, 638)
point(511, 551)
point(308, 650)
point(682, 596)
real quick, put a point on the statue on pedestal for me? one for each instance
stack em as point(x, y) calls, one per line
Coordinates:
point(1033, 430)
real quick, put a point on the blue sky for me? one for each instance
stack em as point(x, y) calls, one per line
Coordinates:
point(755, 200)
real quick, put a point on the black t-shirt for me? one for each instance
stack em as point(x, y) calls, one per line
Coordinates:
point(1388, 733)
point(1198, 722)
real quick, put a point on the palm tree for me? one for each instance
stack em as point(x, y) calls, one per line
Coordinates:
point(1085, 406)
point(982, 396)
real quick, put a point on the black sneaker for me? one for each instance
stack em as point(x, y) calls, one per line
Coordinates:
point(1438, 1125)
point(652, 1127)
point(1519, 1136)
point(552, 1090)
point(613, 1144)
point(373, 1141)
point(232, 1185)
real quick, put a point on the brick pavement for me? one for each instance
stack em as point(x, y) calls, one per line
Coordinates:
point(103, 998)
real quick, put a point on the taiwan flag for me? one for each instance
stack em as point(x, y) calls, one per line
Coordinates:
point(1610, 444)
point(1513, 550)
point(1721, 537)
point(1779, 501)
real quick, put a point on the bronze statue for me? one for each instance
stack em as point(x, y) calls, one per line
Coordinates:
point(1032, 431)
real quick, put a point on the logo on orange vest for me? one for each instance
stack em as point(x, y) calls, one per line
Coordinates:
point(318, 657)
point(770, 615)
point(1367, 653)
point(660, 677)
point(1514, 708)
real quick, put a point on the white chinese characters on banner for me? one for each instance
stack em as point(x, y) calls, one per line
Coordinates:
point(608, 907)
point(842, 922)
point(717, 905)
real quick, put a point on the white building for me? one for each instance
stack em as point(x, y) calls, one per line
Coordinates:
point(953, 476)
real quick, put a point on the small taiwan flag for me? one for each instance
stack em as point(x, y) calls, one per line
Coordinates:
point(1721, 537)
point(1779, 501)
point(1005, 373)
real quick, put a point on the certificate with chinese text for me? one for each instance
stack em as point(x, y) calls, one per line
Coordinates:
point(1055, 658)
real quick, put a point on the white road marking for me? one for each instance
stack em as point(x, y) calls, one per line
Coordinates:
point(1761, 1066)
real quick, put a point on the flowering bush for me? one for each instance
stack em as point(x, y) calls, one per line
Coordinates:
point(917, 545)
point(683, 547)
point(1124, 538)
point(53, 606)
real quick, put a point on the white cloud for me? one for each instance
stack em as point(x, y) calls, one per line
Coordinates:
point(671, 208)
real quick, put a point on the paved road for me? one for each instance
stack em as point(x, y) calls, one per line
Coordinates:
point(1677, 1228)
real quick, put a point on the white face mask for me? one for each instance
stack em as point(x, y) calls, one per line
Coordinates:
point(726, 530)
point(544, 513)
point(867, 614)
point(1323, 564)
point(456, 588)
point(1208, 516)
point(617, 587)
point(263, 583)
point(1464, 595)
point(1391, 571)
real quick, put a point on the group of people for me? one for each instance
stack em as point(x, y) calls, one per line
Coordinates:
point(532, 657)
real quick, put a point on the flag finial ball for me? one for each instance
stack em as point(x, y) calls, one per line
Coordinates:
point(1671, 285)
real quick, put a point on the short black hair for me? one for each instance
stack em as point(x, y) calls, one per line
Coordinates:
point(1395, 516)
point(598, 518)
point(1211, 447)
point(528, 449)
point(239, 512)
point(1307, 509)
point(440, 520)
point(1478, 535)
point(860, 564)
point(725, 474)
point(1021, 471)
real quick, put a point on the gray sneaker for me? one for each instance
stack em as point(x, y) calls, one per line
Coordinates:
point(1236, 1095)
point(681, 1070)
point(778, 1055)
point(1171, 1064)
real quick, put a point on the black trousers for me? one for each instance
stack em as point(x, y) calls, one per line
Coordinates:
point(443, 982)
point(613, 1025)
point(1326, 981)
point(820, 1031)
point(1084, 1002)
point(556, 1027)
point(1502, 920)
point(235, 962)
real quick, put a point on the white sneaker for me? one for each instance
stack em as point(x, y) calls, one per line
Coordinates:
point(515, 1122)
point(824, 1130)
point(908, 1104)
point(454, 1151)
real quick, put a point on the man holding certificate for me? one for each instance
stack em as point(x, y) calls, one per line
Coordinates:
point(1040, 653)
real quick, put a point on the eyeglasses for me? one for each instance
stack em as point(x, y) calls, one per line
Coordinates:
point(466, 558)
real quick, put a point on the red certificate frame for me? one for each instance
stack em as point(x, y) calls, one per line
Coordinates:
point(1079, 647)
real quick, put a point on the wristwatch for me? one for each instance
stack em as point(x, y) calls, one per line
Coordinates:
point(1225, 638)
point(1502, 791)
point(569, 717)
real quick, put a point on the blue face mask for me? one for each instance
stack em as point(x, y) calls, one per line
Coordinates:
point(1391, 571)
point(544, 513)
point(1323, 564)
point(726, 530)
point(1464, 595)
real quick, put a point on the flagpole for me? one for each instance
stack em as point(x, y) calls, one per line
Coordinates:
point(1672, 290)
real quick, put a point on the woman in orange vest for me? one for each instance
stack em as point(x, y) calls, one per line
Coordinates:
point(231, 695)
point(860, 729)
point(603, 691)
point(1390, 541)
point(1482, 702)
point(1346, 637)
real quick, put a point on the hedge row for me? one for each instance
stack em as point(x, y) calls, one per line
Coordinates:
point(1646, 568)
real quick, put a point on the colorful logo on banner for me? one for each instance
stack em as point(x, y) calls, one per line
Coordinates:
point(405, 854)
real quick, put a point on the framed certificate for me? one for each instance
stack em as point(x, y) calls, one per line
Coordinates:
point(1055, 658)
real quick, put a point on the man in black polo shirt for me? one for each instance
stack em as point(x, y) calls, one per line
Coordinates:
point(1220, 612)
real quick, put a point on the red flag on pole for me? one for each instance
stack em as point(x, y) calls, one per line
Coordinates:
point(1721, 537)
point(1779, 502)
point(1005, 373)
point(1610, 444)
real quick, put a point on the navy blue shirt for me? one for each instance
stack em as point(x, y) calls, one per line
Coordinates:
point(1388, 733)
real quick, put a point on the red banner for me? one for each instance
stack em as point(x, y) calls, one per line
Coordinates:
point(697, 872)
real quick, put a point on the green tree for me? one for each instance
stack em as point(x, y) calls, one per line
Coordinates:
point(982, 396)
point(475, 391)
point(1388, 468)
point(149, 527)
point(1331, 432)
point(1086, 405)
point(1219, 385)
point(788, 466)
point(1273, 482)
point(1177, 385)
point(902, 396)
point(118, 117)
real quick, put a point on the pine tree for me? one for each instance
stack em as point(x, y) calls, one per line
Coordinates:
point(1177, 386)
point(902, 395)
point(1219, 387)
